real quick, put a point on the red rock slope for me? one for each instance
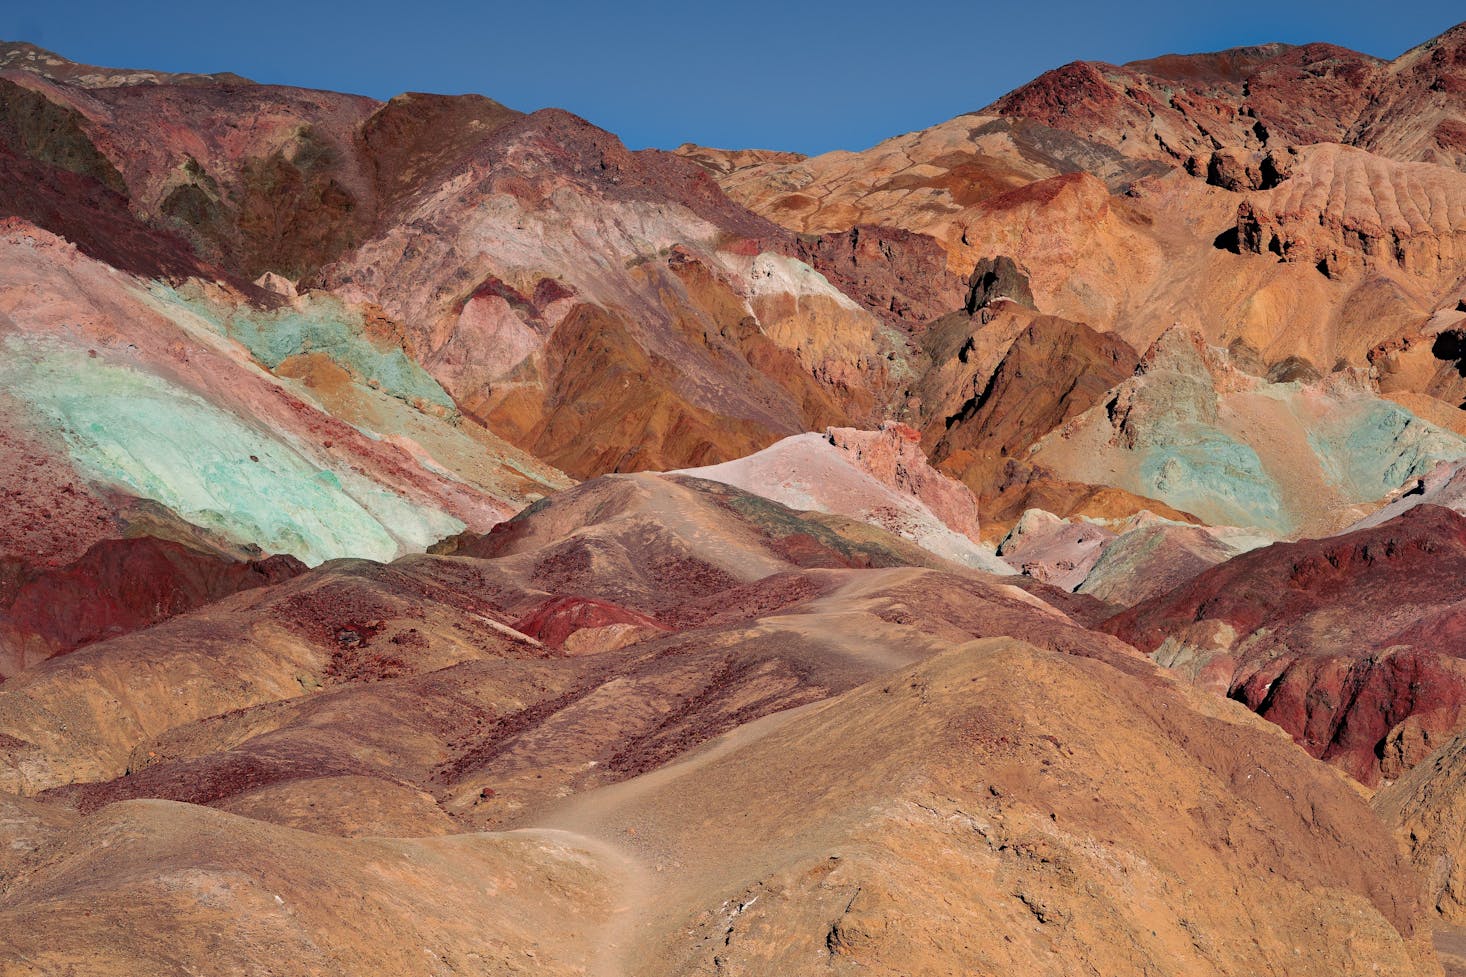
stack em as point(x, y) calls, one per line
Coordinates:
point(1350, 643)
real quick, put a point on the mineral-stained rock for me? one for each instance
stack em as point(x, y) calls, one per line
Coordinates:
point(660, 553)
point(1057, 551)
point(775, 831)
point(1092, 178)
point(1339, 640)
point(115, 587)
point(899, 275)
point(285, 428)
point(584, 624)
point(777, 713)
point(1443, 485)
point(1154, 556)
point(1192, 430)
point(719, 315)
point(1118, 561)
point(1177, 105)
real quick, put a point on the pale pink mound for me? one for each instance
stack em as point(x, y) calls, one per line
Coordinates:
point(878, 477)
point(893, 455)
point(1055, 551)
point(1444, 485)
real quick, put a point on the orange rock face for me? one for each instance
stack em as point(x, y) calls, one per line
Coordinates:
point(1349, 213)
point(1054, 370)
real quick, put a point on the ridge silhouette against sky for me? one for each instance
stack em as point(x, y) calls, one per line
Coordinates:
point(783, 75)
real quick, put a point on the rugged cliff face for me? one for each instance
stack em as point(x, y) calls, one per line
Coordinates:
point(1350, 213)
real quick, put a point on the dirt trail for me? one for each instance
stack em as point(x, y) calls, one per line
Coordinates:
point(884, 647)
point(608, 822)
point(617, 823)
point(609, 951)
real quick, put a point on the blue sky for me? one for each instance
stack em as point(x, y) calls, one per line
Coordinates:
point(803, 76)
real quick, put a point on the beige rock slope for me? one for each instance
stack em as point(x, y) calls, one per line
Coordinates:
point(1166, 250)
point(1425, 809)
point(152, 886)
point(932, 181)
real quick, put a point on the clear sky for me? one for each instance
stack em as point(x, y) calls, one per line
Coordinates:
point(802, 76)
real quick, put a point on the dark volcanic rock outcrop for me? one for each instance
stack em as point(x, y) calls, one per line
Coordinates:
point(994, 279)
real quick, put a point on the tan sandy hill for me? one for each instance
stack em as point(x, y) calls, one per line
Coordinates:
point(801, 844)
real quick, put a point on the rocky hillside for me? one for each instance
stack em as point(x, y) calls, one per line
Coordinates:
point(1032, 544)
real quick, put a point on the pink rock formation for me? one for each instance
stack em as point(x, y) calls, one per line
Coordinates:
point(879, 477)
point(894, 456)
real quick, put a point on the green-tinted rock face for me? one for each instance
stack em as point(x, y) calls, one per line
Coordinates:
point(147, 437)
point(317, 324)
point(1202, 469)
point(1371, 447)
